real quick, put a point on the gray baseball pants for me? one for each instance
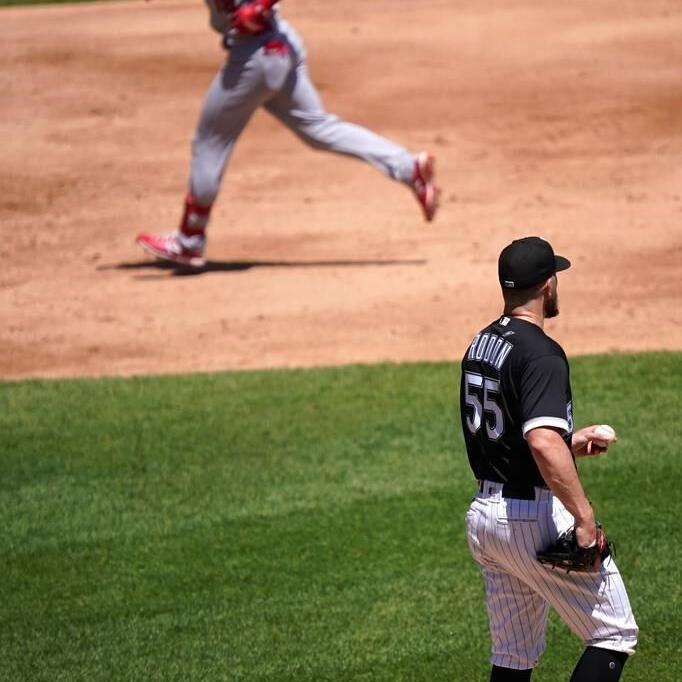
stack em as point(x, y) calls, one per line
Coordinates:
point(273, 74)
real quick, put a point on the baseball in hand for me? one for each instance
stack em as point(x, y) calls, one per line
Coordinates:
point(604, 435)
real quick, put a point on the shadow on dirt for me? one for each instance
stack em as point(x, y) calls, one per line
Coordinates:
point(240, 266)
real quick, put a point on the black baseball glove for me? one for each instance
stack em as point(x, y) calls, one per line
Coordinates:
point(565, 553)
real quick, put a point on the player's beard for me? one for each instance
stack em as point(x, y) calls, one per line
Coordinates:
point(551, 302)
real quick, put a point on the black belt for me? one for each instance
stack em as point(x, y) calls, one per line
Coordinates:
point(513, 490)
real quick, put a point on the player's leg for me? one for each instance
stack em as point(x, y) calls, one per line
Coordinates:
point(517, 615)
point(498, 674)
point(518, 618)
point(235, 93)
point(594, 605)
point(246, 82)
point(300, 108)
point(599, 665)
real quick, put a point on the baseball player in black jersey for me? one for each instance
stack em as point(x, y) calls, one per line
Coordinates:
point(517, 418)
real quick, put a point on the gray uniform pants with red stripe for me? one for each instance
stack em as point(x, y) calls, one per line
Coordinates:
point(270, 71)
point(504, 537)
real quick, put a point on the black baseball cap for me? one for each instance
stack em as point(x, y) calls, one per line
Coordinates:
point(528, 261)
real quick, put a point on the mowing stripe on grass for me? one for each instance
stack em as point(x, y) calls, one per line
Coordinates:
point(297, 525)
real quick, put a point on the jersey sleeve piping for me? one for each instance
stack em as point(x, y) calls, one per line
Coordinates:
point(536, 422)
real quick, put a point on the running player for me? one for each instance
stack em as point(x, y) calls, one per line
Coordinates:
point(267, 67)
point(517, 419)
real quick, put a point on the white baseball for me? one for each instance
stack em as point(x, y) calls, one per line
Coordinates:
point(605, 434)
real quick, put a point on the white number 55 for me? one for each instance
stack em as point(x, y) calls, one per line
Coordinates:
point(473, 383)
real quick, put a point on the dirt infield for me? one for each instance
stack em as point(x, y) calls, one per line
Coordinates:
point(561, 119)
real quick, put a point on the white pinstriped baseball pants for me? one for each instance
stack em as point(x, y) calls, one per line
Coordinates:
point(504, 536)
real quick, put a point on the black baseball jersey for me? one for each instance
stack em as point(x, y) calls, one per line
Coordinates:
point(514, 378)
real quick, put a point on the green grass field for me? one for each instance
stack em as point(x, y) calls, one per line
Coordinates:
point(297, 525)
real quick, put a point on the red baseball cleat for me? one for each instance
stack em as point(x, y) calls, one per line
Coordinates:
point(169, 247)
point(424, 186)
